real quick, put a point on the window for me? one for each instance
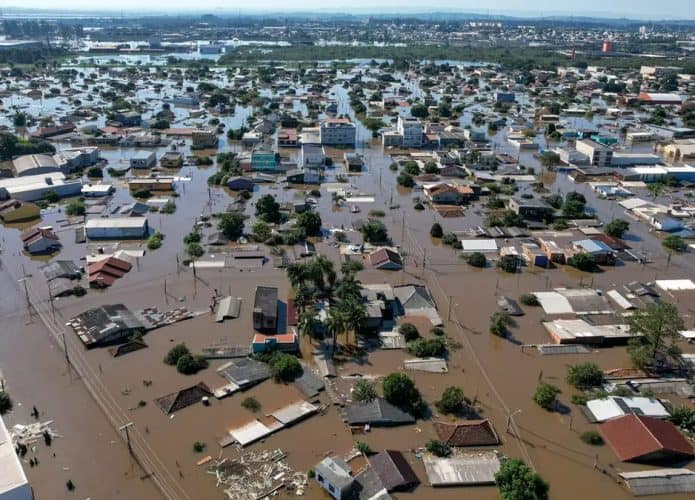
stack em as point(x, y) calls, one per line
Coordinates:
point(320, 478)
point(331, 489)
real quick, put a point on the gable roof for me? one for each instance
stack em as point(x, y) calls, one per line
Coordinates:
point(385, 255)
point(31, 235)
point(467, 433)
point(184, 398)
point(394, 470)
point(639, 438)
point(107, 271)
point(376, 412)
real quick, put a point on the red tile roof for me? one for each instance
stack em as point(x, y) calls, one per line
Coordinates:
point(639, 438)
point(107, 271)
point(467, 433)
point(384, 255)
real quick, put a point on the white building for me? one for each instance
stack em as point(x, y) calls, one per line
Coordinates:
point(143, 159)
point(411, 130)
point(599, 155)
point(614, 407)
point(36, 187)
point(117, 228)
point(13, 481)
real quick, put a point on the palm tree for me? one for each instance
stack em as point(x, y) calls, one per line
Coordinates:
point(297, 274)
point(354, 311)
point(335, 324)
point(303, 298)
point(307, 323)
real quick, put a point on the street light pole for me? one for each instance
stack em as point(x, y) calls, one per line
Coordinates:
point(510, 415)
point(127, 435)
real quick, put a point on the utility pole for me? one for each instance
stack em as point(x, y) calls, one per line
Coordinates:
point(449, 313)
point(50, 297)
point(65, 350)
point(127, 436)
point(510, 415)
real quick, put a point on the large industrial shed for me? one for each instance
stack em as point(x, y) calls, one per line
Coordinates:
point(117, 228)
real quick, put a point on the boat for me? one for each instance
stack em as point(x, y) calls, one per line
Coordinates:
point(355, 209)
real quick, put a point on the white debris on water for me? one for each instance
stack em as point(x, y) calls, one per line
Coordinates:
point(257, 475)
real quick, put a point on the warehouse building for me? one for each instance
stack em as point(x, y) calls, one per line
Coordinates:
point(36, 187)
point(117, 228)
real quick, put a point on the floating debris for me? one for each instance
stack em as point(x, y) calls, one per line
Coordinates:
point(257, 475)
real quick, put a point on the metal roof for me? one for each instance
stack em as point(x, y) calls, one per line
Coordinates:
point(659, 481)
point(12, 475)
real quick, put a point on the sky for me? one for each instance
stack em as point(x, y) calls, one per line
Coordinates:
point(645, 9)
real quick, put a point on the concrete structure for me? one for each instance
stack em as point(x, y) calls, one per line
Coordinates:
point(36, 187)
point(34, 165)
point(171, 159)
point(119, 228)
point(659, 481)
point(40, 241)
point(335, 476)
point(264, 161)
point(411, 130)
point(533, 209)
point(106, 325)
point(265, 308)
point(204, 139)
point(13, 482)
point(598, 154)
point(312, 156)
point(143, 159)
point(337, 132)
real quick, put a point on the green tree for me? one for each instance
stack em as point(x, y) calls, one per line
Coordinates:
point(409, 331)
point(374, 231)
point(261, 231)
point(5, 403)
point(364, 391)
point(195, 250)
point(419, 111)
point(584, 375)
point(549, 159)
point(426, 348)
point(617, 228)
point(453, 401)
point(231, 225)
point(656, 330)
point(74, 208)
point(574, 205)
point(285, 367)
point(508, 263)
point(268, 209)
point(583, 261)
point(683, 417)
point(400, 390)
point(545, 395)
point(517, 481)
point(175, 353)
point(675, 243)
point(189, 364)
point(438, 448)
point(477, 259)
point(500, 323)
point(436, 230)
point(405, 179)
point(310, 222)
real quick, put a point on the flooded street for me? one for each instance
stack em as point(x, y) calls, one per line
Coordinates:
point(92, 394)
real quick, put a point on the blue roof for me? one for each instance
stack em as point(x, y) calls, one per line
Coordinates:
point(593, 246)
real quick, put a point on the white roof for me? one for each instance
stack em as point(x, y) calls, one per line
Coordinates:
point(96, 188)
point(479, 245)
point(614, 406)
point(631, 203)
point(685, 284)
point(116, 222)
point(11, 471)
point(647, 170)
point(57, 179)
point(554, 303)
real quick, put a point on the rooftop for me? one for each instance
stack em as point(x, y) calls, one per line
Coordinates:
point(12, 475)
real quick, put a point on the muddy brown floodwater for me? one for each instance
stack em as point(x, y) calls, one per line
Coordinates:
point(496, 373)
